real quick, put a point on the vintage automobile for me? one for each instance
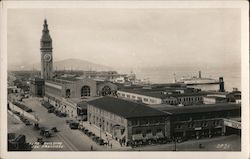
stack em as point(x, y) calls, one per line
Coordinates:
point(45, 132)
point(100, 142)
point(60, 114)
point(51, 110)
point(40, 140)
point(36, 126)
point(69, 121)
point(73, 125)
point(54, 129)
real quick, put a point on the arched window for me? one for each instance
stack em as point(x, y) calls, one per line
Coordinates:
point(106, 90)
point(68, 93)
point(85, 91)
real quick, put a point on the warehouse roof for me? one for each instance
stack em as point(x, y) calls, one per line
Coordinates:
point(201, 108)
point(159, 94)
point(82, 104)
point(124, 108)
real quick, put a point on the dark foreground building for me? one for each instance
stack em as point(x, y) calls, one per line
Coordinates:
point(127, 121)
point(131, 122)
point(17, 142)
point(204, 120)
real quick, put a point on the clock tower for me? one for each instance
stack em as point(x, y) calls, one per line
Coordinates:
point(46, 53)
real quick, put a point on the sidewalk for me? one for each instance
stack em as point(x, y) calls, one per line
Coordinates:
point(107, 138)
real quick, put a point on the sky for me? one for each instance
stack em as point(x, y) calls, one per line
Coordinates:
point(128, 37)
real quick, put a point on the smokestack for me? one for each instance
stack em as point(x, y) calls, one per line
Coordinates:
point(221, 83)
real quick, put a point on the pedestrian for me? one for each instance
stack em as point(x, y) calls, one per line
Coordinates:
point(111, 145)
point(200, 146)
point(91, 148)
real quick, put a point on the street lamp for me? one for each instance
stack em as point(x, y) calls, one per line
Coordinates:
point(175, 142)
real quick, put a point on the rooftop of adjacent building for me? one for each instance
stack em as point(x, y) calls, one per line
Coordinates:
point(161, 94)
point(71, 79)
point(81, 102)
point(124, 108)
point(200, 108)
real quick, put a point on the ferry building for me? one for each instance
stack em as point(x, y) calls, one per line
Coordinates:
point(65, 92)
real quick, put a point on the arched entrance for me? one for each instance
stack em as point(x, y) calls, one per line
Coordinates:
point(106, 90)
point(67, 93)
point(85, 91)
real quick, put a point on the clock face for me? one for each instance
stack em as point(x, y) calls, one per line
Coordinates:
point(47, 57)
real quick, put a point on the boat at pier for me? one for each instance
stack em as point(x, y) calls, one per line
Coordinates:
point(197, 80)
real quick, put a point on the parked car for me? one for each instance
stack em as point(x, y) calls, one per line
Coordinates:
point(69, 121)
point(89, 133)
point(51, 110)
point(95, 138)
point(73, 125)
point(27, 122)
point(36, 126)
point(40, 140)
point(61, 114)
point(86, 131)
point(83, 128)
point(54, 129)
point(56, 112)
point(100, 142)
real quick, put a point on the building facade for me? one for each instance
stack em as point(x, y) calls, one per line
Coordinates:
point(158, 97)
point(134, 96)
point(202, 120)
point(125, 122)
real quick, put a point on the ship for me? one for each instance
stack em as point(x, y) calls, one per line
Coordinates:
point(196, 80)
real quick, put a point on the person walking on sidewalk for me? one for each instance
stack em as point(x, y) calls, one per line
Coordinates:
point(120, 143)
point(91, 148)
point(111, 145)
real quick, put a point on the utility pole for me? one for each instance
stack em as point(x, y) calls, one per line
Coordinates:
point(100, 130)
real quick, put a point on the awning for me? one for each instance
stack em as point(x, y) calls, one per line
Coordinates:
point(150, 136)
point(159, 135)
point(137, 137)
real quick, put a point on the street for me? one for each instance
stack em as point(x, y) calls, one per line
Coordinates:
point(72, 140)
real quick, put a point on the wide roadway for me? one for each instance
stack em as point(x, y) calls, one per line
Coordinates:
point(73, 140)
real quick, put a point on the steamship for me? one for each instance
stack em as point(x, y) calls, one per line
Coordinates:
point(197, 80)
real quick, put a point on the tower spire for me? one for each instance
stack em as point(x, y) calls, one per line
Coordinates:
point(46, 53)
point(45, 26)
point(46, 40)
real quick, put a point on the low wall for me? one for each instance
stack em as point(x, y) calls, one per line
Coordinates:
point(23, 112)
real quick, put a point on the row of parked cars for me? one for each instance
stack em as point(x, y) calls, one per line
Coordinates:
point(22, 118)
point(75, 125)
point(52, 109)
point(91, 135)
point(23, 107)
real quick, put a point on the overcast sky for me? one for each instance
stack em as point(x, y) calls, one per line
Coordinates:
point(128, 37)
